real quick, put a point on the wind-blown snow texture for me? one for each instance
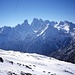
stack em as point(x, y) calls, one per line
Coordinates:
point(16, 63)
point(41, 37)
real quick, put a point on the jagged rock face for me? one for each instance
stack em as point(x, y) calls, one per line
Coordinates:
point(41, 36)
point(67, 54)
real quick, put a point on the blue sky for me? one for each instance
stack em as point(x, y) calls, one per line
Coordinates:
point(13, 12)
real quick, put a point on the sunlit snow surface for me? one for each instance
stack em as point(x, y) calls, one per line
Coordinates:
point(43, 30)
point(63, 27)
point(34, 64)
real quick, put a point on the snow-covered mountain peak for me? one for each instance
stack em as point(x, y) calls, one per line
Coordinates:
point(62, 26)
point(16, 63)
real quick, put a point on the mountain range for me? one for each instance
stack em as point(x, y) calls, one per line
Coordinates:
point(41, 36)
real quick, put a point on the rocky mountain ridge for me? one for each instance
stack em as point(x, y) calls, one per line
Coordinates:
point(66, 54)
point(40, 36)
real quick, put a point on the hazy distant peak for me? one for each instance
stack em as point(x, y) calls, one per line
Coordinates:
point(26, 21)
point(66, 21)
point(61, 23)
point(47, 21)
point(35, 19)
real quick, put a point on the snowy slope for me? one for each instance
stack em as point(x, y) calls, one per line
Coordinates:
point(16, 63)
point(64, 27)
